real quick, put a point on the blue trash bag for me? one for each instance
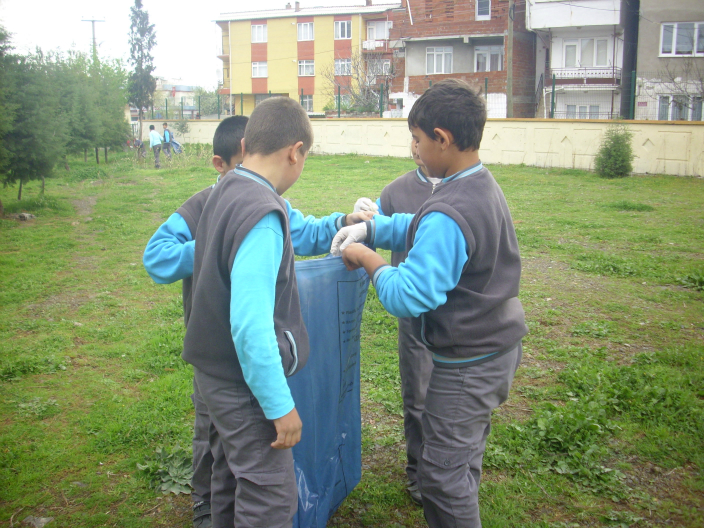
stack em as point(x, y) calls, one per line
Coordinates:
point(328, 459)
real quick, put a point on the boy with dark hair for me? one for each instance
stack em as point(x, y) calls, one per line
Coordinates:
point(169, 257)
point(460, 282)
point(155, 145)
point(168, 138)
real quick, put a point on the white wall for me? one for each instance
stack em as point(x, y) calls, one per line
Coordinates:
point(660, 147)
point(543, 14)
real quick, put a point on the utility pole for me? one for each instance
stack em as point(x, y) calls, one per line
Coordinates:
point(95, 48)
point(509, 59)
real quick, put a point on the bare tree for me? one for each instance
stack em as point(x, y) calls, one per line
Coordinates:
point(682, 82)
point(359, 79)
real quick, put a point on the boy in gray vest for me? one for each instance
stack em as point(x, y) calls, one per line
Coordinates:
point(168, 257)
point(460, 282)
point(245, 333)
point(405, 195)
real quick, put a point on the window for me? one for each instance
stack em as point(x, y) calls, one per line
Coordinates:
point(343, 29)
point(378, 67)
point(259, 69)
point(378, 30)
point(438, 60)
point(593, 111)
point(483, 10)
point(258, 98)
point(571, 111)
point(259, 33)
point(305, 31)
point(306, 68)
point(307, 102)
point(664, 108)
point(682, 39)
point(343, 66)
point(680, 108)
point(582, 112)
point(696, 109)
point(489, 58)
point(585, 53)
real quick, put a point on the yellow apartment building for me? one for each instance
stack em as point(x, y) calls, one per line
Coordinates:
point(293, 51)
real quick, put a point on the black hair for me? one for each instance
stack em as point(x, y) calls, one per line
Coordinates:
point(227, 141)
point(276, 123)
point(151, 127)
point(451, 104)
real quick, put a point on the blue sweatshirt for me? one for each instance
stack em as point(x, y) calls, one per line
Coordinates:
point(168, 257)
point(433, 266)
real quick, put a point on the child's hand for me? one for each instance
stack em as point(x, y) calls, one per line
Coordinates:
point(359, 216)
point(352, 255)
point(288, 429)
point(365, 204)
point(346, 236)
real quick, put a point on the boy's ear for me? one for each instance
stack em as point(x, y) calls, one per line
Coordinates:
point(444, 136)
point(219, 164)
point(294, 152)
point(242, 146)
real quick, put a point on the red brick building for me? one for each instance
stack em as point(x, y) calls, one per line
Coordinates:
point(464, 39)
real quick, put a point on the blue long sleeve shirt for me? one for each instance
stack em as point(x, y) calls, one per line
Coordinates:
point(168, 257)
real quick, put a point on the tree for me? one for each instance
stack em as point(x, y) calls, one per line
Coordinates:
point(7, 109)
point(111, 82)
point(360, 80)
point(142, 39)
point(38, 136)
point(208, 100)
point(681, 81)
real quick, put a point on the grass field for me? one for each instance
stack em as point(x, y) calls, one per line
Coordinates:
point(604, 426)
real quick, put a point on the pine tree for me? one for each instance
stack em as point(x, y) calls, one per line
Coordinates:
point(142, 39)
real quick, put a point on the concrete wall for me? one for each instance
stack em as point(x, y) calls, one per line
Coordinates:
point(661, 147)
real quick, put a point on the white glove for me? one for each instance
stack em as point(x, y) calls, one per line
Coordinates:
point(346, 236)
point(365, 204)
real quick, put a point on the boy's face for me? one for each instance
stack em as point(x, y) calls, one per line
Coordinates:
point(429, 152)
point(415, 156)
point(164, 126)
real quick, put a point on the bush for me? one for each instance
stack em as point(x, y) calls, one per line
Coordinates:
point(615, 156)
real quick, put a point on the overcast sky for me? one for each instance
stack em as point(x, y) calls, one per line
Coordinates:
point(187, 38)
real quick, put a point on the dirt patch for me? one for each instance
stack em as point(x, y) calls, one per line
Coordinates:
point(84, 206)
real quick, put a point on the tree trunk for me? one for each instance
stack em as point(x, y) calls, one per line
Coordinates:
point(85, 155)
point(140, 123)
point(43, 184)
point(105, 150)
point(97, 156)
point(19, 194)
point(68, 169)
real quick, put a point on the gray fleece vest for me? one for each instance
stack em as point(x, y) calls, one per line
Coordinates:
point(404, 195)
point(190, 211)
point(236, 204)
point(482, 314)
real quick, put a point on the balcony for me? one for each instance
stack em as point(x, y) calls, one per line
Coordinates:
point(609, 76)
point(375, 45)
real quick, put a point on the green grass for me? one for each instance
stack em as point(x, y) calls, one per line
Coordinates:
point(604, 425)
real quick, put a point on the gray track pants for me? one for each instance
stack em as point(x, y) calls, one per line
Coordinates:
point(415, 364)
point(202, 457)
point(456, 424)
point(252, 483)
point(157, 151)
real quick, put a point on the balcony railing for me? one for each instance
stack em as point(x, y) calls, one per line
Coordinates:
point(375, 45)
point(600, 75)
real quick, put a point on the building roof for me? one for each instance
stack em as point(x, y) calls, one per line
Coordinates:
point(308, 11)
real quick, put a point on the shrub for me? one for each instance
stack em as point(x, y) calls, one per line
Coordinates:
point(615, 156)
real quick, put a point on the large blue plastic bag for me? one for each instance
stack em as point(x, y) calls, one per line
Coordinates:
point(328, 459)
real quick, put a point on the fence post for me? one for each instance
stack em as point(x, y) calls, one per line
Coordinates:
point(339, 98)
point(633, 94)
point(181, 107)
point(381, 101)
point(218, 105)
point(552, 99)
point(242, 103)
point(166, 108)
point(486, 89)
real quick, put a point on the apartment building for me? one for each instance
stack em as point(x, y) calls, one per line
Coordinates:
point(670, 72)
point(307, 53)
point(437, 39)
point(580, 56)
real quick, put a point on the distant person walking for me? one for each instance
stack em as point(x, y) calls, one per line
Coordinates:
point(168, 138)
point(155, 144)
